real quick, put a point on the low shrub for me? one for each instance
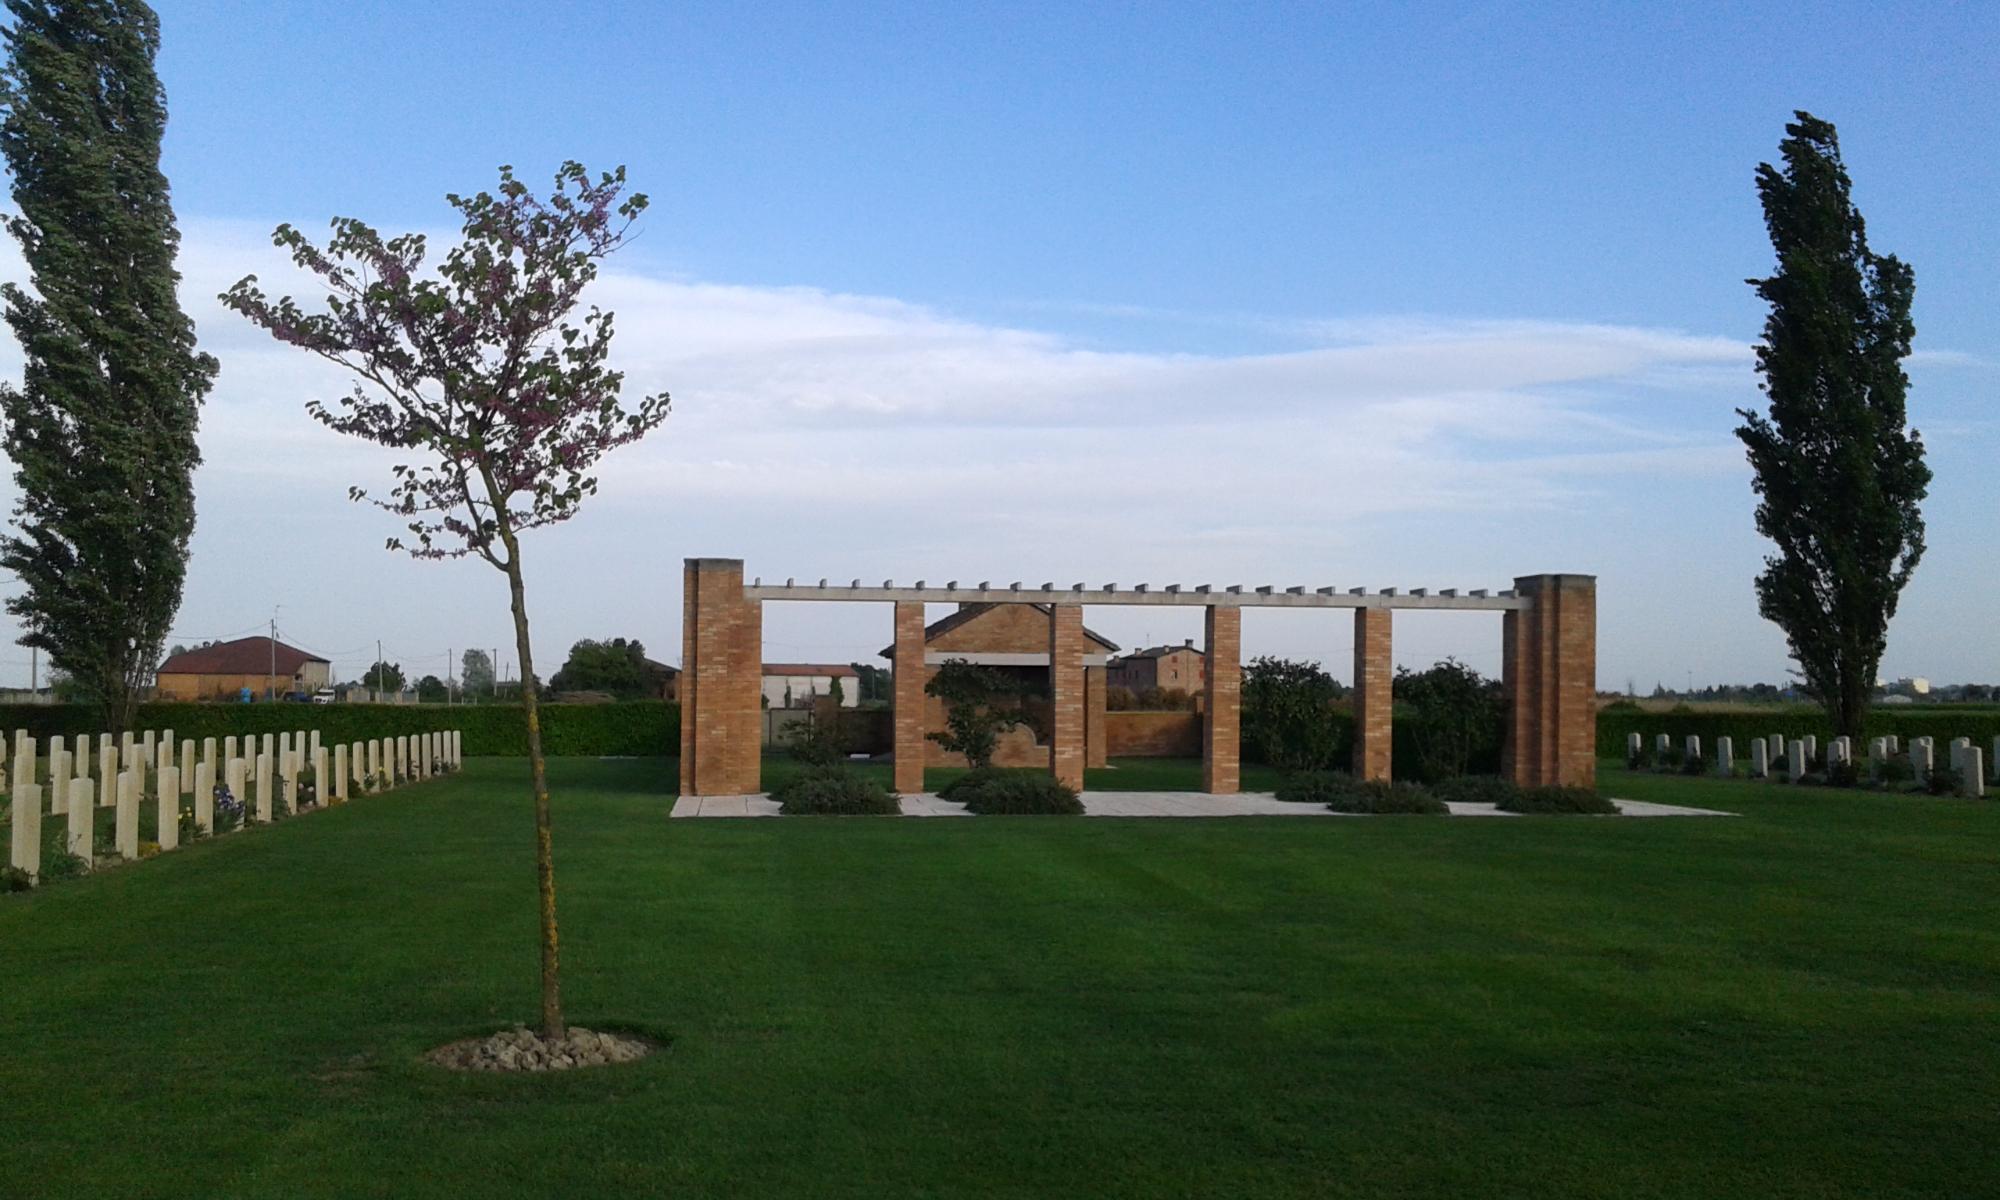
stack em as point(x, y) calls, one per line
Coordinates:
point(833, 791)
point(1022, 794)
point(1944, 781)
point(1382, 797)
point(1474, 789)
point(957, 790)
point(1694, 765)
point(1560, 800)
point(14, 879)
point(63, 865)
point(1896, 769)
point(1314, 787)
point(1842, 774)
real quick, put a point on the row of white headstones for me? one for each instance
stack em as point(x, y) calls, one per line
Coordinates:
point(125, 770)
point(1800, 754)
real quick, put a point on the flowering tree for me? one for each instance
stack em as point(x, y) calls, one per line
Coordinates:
point(503, 405)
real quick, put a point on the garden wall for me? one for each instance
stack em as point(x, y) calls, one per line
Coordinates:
point(1136, 734)
point(641, 727)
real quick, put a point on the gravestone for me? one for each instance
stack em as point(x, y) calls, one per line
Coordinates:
point(1777, 746)
point(127, 821)
point(322, 782)
point(187, 765)
point(1797, 762)
point(1920, 758)
point(338, 784)
point(264, 797)
point(1973, 780)
point(1661, 744)
point(107, 772)
point(1693, 749)
point(204, 796)
point(291, 769)
point(1725, 756)
point(170, 805)
point(25, 852)
point(238, 771)
point(1760, 759)
point(82, 819)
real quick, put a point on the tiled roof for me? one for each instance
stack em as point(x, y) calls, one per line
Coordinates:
point(244, 656)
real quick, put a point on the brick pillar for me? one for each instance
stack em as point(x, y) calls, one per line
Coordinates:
point(908, 696)
point(1095, 743)
point(1548, 671)
point(1374, 677)
point(722, 656)
point(1222, 628)
point(1066, 700)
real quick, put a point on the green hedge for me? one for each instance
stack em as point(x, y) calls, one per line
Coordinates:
point(641, 727)
point(1982, 725)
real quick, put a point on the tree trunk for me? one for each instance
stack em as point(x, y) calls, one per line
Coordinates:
point(545, 864)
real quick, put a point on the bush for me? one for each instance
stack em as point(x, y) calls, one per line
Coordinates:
point(1944, 781)
point(1559, 800)
point(1314, 787)
point(1288, 719)
point(1454, 716)
point(1010, 793)
point(1693, 765)
point(14, 879)
point(63, 865)
point(1843, 775)
point(833, 792)
point(957, 790)
point(1896, 769)
point(1474, 789)
point(816, 743)
point(1382, 797)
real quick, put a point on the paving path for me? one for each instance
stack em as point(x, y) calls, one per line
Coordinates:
point(1149, 804)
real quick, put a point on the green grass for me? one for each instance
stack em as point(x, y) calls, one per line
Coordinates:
point(1797, 1002)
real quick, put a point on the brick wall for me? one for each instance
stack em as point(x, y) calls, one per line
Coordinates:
point(1152, 734)
point(722, 639)
point(1221, 743)
point(1549, 673)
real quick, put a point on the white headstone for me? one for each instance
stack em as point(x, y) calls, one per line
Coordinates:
point(204, 796)
point(26, 849)
point(237, 775)
point(1725, 756)
point(1895, 744)
point(1973, 782)
point(337, 786)
point(83, 819)
point(322, 782)
point(1920, 759)
point(290, 760)
point(1760, 759)
point(170, 805)
point(127, 823)
point(229, 749)
point(107, 772)
point(187, 765)
point(1661, 744)
point(1693, 749)
point(1878, 750)
point(1797, 763)
point(1777, 746)
point(264, 786)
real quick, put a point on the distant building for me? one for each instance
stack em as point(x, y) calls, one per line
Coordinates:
point(662, 681)
point(1181, 668)
point(797, 685)
point(222, 671)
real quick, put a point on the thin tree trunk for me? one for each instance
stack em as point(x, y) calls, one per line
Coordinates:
point(545, 863)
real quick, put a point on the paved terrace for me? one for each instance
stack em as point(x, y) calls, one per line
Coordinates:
point(1150, 804)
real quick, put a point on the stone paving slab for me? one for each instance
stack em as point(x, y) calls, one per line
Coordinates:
point(1151, 804)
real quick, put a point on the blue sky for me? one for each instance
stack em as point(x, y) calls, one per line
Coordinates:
point(1418, 295)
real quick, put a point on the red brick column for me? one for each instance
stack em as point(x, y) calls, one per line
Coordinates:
point(1549, 674)
point(1221, 743)
point(1066, 700)
point(721, 680)
point(1096, 746)
point(907, 695)
point(1374, 675)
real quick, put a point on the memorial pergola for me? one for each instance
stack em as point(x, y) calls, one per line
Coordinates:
point(1548, 669)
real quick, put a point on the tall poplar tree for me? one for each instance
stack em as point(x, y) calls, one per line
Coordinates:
point(101, 429)
point(1839, 472)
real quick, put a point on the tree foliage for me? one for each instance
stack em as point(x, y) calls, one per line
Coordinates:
point(1453, 713)
point(475, 673)
point(101, 430)
point(1287, 714)
point(384, 677)
point(1839, 474)
point(475, 370)
point(431, 690)
point(617, 666)
point(979, 705)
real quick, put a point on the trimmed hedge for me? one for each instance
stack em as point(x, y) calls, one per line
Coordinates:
point(640, 727)
point(1982, 725)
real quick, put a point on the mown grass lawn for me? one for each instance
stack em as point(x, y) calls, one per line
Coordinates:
point(1799, 1002)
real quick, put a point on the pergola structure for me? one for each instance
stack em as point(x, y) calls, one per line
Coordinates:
point(1548, 669)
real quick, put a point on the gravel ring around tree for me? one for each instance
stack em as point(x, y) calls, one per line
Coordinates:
point(523, 1049)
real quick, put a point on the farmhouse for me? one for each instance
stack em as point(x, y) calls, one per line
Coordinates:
point(221, 671)
point(1181, 668)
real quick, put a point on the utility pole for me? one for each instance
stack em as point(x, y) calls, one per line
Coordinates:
point(271, 680)
point(447, 676)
